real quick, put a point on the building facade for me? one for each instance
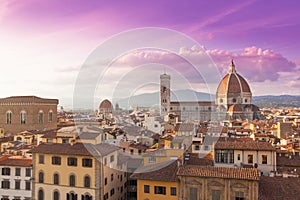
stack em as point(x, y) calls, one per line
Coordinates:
point(20, 113)
point(16, 178)
point(78, 171)
point(207, 182)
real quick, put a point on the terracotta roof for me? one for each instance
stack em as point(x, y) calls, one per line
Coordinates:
point(195, 159)
point(218, 172)
point(105, 104)
point(235, 108)
point(184, 127)
point(20, 162)
point(27, 99)
point(83, 149)
point(278, 188)
point(244, 145)
point(294, 161)
point(165, 173)
point(233, 83)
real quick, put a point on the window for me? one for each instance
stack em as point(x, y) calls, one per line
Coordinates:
point(173, 191)
point(159, 190)
point(250, 159)
point(18, 172)
point(239, 196)
point(197, 147)
point(112, 192)
point(41, 177)
point(50, 116)
point(86, 197)
point(111, 177)
point(17, 184)
point(131, 151)
point(193, 193)
point(5, 184)
point(41, 117)
point(41, 159)
point(71, 196)
point(8, 117)
point(28, 172)
point(23, 117)
point(264, 159)
point(65, 141)
point(55, 195)
point(139, 152)
point(72, 161)
point(216, 194)
point(105, 181)
point(87, 181)
point(112, 158)
point(146, 189)
point(246, 100)
point(27, 185)
point(55, 179)
point(87, 162)
point(72, 180)
point(221, 100)
point(224, 156)
point(4, 198)
point(6, 171)
point(105, 161)
point(233, 100)
point(152, 159)
point(56, 160)
point(239, 157)
point(105, 197)
point(41, 194)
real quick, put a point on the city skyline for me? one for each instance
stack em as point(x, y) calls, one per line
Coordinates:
point(44, 44)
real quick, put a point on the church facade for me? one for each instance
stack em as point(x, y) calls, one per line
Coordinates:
point(233, 101)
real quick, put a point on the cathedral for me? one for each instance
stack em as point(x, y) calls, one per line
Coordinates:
point(233, 101)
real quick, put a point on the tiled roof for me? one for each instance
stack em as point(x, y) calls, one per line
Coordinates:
point(195, 159)
point(244, 145)
point(279, 188)
point(166, 172)
point(27, 99)
point(184, 127)
point(286, 161)
point(83, 149)
point(20, 162)
point(218, 172)
point(105, 104)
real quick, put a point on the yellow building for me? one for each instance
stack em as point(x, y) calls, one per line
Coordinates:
point(78, 171)
point(157, 183)
point(162, 155)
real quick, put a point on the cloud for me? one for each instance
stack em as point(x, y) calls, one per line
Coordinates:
point(254, 63)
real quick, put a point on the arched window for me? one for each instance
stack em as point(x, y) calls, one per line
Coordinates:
point(50, 116)
point(41, 177)
point(87, 181)
point(41, 117)
point(234, 100)
point(86, 197)
point(72, 180)
point(55, 195)
point(221, 100)
point(56, 179)
point(23, 117)
point(8, 117)
point(71, 196)
point(40, 194)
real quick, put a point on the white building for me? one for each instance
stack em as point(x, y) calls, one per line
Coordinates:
point(249, 154)
point(15, 178)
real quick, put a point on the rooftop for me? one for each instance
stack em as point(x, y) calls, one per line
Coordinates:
point(219, 172)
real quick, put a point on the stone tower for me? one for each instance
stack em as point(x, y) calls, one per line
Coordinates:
point(165, 95)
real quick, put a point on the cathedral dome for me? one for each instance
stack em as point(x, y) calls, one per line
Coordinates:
point(233, 83)
point(105, 104)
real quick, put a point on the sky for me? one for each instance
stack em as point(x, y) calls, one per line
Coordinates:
point(45, 44)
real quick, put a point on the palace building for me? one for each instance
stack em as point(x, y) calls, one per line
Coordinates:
point(233, 101)
point(20, 113)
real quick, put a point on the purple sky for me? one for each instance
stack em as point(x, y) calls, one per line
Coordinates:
point(47, 41)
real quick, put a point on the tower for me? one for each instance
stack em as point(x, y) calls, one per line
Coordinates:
point(164, 94)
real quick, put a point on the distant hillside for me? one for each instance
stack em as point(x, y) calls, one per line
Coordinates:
point(277, 101)
point(152, 99)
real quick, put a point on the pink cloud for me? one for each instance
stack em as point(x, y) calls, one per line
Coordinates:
point(254, 63)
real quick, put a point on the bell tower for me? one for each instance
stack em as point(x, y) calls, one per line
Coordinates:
point(164, 94)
